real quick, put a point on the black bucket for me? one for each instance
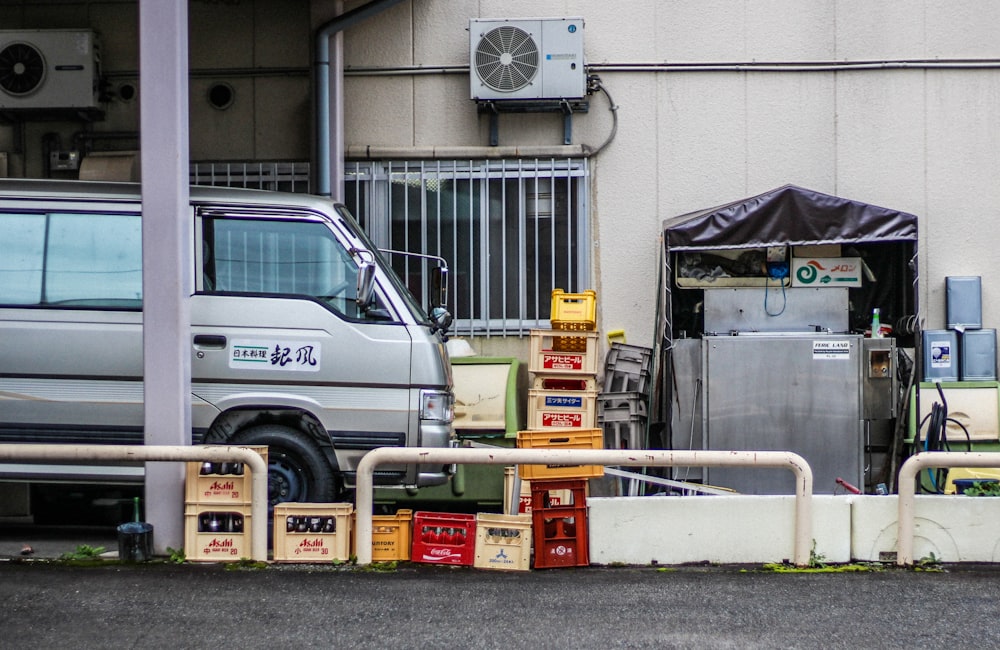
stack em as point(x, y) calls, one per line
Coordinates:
point(135, 542)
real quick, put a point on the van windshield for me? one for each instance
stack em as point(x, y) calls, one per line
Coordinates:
point(419, 313)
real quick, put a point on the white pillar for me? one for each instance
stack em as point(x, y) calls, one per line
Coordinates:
point(166, 245)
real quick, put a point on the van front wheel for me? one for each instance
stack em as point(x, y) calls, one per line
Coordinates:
point(297, 470)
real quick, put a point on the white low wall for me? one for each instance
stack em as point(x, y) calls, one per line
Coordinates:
point(757, 529)
point(952, 528)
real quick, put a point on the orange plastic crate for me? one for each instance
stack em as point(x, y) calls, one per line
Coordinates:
point(561, 439)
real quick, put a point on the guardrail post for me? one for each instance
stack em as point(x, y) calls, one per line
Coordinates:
point(906, 489)
point(129, 454)
point(622, 457)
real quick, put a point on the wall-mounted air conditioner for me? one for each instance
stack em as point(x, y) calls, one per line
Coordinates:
point(49, 69)
point(529, 58)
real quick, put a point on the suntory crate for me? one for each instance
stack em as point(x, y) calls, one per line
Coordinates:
point(218, 532)
point(555, 352)
point(391, 536)
point(312, 532)
point(503, 542)
point(561, 439)
point(220, 482)
point(574, 311)
point(562, 409)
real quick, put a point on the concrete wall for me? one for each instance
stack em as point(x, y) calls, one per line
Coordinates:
point(747, 529)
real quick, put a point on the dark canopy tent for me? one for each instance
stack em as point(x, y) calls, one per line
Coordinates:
point(794, 216)
point(886, 239)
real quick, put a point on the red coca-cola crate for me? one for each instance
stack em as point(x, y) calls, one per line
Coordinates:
point(444, 538)
point(561, 533)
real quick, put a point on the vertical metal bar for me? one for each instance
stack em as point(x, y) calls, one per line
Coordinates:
point(485, 248)
point(167, 273)
point(522, 245)
point(473, 277)
point(503, 245)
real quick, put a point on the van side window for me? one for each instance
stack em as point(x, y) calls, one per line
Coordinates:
point(71, 260)
point(279, 257)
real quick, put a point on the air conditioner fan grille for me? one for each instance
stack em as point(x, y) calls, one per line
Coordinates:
point(22, 69)
point(506, 59)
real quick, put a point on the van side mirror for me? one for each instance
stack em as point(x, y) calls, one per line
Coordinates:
point(366, 284)
point(439, 286)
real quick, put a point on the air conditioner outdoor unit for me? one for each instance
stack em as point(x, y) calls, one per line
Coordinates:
point(526, 59)
point(49, 69)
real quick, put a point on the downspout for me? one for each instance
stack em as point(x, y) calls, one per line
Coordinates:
point(327, 168)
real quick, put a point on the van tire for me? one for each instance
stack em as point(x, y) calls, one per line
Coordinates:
point(297, 469)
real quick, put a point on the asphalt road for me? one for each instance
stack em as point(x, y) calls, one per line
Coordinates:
point(160, 605)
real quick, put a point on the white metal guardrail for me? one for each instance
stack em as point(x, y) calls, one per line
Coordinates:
point(619, 457)
point(907, 489)
point(142, 453)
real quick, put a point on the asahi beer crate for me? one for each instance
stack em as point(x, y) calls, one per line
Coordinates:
point(574, 311)
point(571, 383)
point(503, 542)
point(561, 409)
point(218, 532)
point(443, 538)
point(228, 482)
point(556, 352)
point(391, 536)
point(524, 501)
point(312, 532)
point(561, 439)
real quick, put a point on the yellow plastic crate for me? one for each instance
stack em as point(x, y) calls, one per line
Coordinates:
point(220, 482)
point(503, 542)
point(392, 536)
point(560, 439)
point(312, 532)
point(574, 311)
point(552, 352)
point(218, 532)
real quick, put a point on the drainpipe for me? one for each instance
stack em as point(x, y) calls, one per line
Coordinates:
point(329, 166)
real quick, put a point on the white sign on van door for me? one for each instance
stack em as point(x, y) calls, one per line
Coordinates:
point(275, 355)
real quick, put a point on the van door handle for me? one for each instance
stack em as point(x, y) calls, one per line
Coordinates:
point(210, 341)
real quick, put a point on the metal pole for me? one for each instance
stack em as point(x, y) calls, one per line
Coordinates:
point(907, 489)
point(621, 457)
point(166, 254)
point(141, 453)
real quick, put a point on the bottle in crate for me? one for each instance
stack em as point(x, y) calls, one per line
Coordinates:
point(312, 532)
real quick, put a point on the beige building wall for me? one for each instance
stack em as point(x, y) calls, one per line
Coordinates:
point(917, 138)
point(848, 108)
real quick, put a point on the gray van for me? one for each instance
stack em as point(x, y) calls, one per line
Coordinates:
point(302, 337)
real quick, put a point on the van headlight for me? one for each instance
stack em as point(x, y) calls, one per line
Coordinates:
point(437, 405)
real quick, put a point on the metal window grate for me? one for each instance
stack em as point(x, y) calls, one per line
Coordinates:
point(274, 176)
point(511, 231)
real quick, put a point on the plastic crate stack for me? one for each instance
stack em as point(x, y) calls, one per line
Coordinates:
point(562, 413)
point(217, 521)
point(623, 408)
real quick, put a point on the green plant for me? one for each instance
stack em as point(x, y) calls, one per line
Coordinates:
point(929, 562)
point(245, 563)
point(176, 556)
point(381, 567)
point(983, 489)
point(83, 552)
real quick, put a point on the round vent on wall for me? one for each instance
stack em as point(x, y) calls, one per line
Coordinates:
point(506, 59)
point(22, 69)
